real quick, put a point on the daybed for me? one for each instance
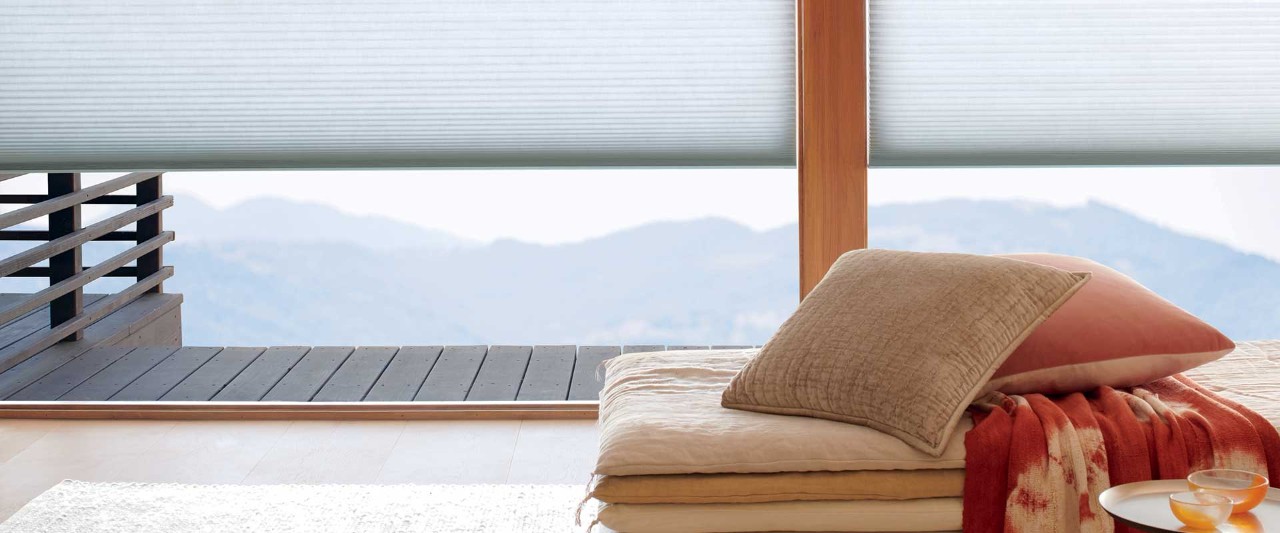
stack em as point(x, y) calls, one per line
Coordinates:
point(672, 459)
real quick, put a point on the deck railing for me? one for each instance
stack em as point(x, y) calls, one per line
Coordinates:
point(62, 247)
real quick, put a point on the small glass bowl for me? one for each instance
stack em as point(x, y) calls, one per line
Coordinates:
point(1200, 510)
point(1245, 489)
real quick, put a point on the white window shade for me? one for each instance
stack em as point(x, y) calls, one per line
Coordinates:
point(1074, 82)
point(201, 84)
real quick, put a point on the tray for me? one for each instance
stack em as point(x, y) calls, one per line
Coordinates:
point(1145, 505)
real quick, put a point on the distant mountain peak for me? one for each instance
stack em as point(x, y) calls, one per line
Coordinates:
point(337, 278)
point(279, 220)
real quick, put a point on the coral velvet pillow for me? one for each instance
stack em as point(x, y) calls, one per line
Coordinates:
point(900, 342)
point(1113, 332)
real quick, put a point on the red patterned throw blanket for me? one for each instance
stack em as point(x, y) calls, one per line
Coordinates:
point(1037, 463)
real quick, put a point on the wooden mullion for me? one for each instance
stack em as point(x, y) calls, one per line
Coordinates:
point(67, 264)
point(832, 133)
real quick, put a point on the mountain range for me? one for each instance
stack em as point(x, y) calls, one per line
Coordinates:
point(273, 272)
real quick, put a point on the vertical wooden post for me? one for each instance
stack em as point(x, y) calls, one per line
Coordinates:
point(832, 125)
point(68, 263)
point(149, 191)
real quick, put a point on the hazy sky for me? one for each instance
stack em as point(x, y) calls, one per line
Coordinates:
point(1237, 205)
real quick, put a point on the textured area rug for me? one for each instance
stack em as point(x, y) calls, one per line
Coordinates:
point(77, 506)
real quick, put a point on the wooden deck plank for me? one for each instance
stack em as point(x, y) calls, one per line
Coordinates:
point(70, 375)
point(26, 325)
point(549, 373)
point(12, 298)
point(352, 381)
point(305, 379)
point(587, 381)
point(212, 376)
point(329, 374)
point(8, 300)
point(451, 378)
point(106, 331)
point(164, 376)
point(119, 375)
point(405, 374)
point(262, 374)
point(687, 347)
point(33, 322)
point(500, 375)
point(103, 323)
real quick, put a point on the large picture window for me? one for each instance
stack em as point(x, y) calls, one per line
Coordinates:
point(1201, 237)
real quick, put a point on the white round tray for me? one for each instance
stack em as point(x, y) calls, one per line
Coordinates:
point(1145, 505)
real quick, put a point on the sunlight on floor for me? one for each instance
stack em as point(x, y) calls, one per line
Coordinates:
point(37, 454)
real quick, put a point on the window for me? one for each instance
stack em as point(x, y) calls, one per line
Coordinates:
point(640, 256)
point(1203, 238)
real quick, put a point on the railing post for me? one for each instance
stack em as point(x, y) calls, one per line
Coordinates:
point(148, 191)
point(66, 264)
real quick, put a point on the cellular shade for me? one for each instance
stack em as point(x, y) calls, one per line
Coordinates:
point(1074, 82)
point(218, 84)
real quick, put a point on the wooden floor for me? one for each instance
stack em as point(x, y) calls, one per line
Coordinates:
point(37, 454)
point(316, 374)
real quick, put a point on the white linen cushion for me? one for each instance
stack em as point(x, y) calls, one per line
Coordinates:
point(660, 413)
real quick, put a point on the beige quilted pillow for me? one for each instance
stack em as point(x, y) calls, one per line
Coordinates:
point(900, 341)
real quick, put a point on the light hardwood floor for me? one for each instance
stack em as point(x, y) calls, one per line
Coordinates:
point(37, 454)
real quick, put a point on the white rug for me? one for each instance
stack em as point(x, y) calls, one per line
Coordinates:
point(78, 506)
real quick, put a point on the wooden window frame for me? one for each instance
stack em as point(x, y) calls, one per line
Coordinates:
point(832, 132)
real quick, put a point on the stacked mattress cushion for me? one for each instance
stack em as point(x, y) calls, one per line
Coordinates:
point(672, 459)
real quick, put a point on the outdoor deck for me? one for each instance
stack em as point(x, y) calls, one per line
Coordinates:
point(64, 352)
point(315, 374)
point(128, 356)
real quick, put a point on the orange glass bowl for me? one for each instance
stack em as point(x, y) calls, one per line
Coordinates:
point(1200, 510)
point(1245, 489)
